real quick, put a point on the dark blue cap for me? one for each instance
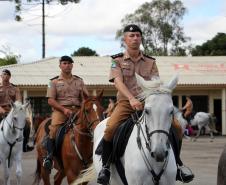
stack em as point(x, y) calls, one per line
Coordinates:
point(66, 58)
point(132, 28)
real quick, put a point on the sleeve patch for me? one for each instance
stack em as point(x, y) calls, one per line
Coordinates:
point(49, 85)
point(113, 64)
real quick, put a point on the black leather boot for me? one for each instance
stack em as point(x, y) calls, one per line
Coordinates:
point(184, 174)
point(105, 173)
point(48, 161)
point(26, 134)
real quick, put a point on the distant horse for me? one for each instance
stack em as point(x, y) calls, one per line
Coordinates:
point(11, 141)
point(203, 120)
point(76, 150)
point(148, 158)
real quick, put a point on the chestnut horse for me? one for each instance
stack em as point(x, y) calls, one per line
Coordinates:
point(77, 146)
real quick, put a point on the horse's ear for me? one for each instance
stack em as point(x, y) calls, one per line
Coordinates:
point(173, 82)
point(140, 81)
point(100, 94)
point(12, 104)
point(26, 105)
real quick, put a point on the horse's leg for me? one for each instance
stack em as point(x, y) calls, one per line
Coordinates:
point(45, 176)
point(198, 134)
point(58, 177)
point(210, 131)
point(18, 169)
point(6, 173)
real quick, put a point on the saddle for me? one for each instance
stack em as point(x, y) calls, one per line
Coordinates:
point(61, 132)
point(120, 141)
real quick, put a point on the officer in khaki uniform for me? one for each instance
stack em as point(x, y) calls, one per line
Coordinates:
point(65, 93)
point(122, 74)
point(8, 93)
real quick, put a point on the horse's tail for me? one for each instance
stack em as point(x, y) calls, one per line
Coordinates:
point(37, 173)
point(86, 175)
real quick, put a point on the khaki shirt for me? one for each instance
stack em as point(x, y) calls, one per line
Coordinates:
point(9, 94)
point(122, 66)
point(67, 92)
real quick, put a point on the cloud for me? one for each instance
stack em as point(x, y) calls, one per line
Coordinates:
point(203, 29)
point(92, 24)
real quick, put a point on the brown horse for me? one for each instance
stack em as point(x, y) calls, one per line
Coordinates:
point(77, 146)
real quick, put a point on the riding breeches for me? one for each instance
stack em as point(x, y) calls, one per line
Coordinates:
point(121, 112)
point(58, 118)
point(178, 128)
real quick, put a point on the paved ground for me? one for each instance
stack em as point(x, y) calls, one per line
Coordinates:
point(201, 156)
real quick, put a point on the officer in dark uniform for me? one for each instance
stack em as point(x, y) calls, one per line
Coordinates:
point(122, 74)
point(65, 97)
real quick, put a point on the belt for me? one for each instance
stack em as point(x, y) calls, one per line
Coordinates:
point(72, 106)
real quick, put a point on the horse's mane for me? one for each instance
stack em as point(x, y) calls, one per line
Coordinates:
point(153, 87)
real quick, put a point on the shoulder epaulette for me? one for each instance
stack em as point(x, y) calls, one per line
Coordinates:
point(117, 55)
point(77, 76)
point(149, 56)
point(13, 84)
point(54, 78)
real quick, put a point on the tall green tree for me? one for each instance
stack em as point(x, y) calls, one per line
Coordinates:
point(9, 57)
point(8, 60)
point(18, 4)
point(214, 47)
point(160, 23)
point(84, 51)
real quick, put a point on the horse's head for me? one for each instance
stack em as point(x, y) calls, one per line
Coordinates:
point(91, 112)
point(157, 114)
point(16, 117)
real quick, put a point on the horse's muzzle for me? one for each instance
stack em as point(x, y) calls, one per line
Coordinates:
point(159, 156)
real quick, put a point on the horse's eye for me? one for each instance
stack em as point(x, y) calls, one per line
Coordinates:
point(171, 112)
point(146, 111)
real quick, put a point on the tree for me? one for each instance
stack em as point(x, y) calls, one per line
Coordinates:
point(9, 57)
point(8, 60)
point(214, 47)
point(84, 51)
point(160, 23)
point(18, 4)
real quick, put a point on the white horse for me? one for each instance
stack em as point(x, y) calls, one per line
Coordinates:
point(11, 141)
point(151, 162)
point(203, 120)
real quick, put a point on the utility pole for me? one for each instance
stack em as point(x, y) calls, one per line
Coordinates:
point(43, 30)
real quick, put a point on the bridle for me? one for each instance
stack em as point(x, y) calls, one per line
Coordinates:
point(89, 124)
point(17, 140)
point(87, 120)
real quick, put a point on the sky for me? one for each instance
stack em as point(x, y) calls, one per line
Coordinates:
point(93, 24)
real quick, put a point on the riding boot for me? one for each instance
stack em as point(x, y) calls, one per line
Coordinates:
point(184, 174)
point(26, 134)
point(48, 161)
point(105, 173)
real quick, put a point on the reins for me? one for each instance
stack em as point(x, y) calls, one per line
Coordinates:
point(11, 144)
point(146, 135)
point(89, 134)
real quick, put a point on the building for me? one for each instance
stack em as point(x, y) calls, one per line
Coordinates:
point(203, 78)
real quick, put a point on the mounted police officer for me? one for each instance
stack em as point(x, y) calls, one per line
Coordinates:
point(10, 93)
point(122, 74)
point(65, 95)
point(187, 108)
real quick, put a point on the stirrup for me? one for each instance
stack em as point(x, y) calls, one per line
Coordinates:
point(104, 176)
point(184, 174)
point(48, 163)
